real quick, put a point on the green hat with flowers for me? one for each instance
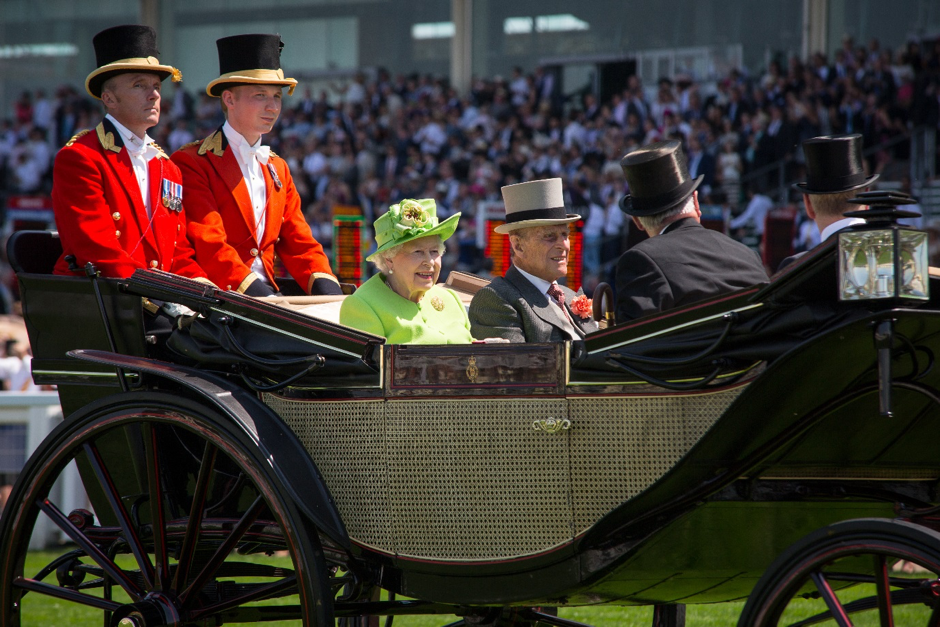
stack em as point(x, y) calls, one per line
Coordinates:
point(410, 220)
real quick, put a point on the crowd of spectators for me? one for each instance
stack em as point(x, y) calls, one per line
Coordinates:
point(372, 142)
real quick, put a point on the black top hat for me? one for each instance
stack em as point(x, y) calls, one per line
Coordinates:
point(834, 165)
point(658, 178)
point(129, 48)
point(249, 59)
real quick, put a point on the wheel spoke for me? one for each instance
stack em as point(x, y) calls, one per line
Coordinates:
point(106, 564)
point(883, 592)
point(832, 602)
point(184, 562)
point(259, 593)
point(154, 485)
point(224, 549)
point(65, 594)
point(120, 512)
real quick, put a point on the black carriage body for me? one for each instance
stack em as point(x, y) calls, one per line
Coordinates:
point(544, 474)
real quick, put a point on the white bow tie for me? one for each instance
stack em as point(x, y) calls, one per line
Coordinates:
point(261, 153)
point(146, 149)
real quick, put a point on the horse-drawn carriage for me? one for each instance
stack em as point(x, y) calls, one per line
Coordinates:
point(255, 463)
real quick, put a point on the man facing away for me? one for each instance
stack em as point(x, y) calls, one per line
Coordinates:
point(682, 262)
point(528, 305)
point(117, 198)
point(243, 206)
point(834, 174)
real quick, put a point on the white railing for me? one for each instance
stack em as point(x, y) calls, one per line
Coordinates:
point(38, 413)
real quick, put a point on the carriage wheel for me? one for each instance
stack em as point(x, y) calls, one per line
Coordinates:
point(187, 525)
point(849, 572)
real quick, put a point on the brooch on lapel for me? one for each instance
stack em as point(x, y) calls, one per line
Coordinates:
point(437, 303)
point(273, 173)
point(172, 195)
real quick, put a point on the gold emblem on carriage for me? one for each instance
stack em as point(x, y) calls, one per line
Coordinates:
point(472, 370)
point(551, 425)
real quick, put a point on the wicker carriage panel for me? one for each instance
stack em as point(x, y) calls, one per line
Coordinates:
point(622, 445)
point(346, 440)
point(473, 480)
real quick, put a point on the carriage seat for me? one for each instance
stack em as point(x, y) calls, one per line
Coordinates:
point(34, 252)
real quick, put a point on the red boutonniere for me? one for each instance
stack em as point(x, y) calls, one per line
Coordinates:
point(582, 305)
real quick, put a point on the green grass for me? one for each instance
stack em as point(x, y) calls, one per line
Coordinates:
point(49, 611)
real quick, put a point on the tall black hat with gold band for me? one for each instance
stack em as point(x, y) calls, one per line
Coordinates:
point(128, 48)
point(249, 60)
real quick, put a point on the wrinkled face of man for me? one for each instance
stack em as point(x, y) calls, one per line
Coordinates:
point(542, 251)
point(134, 100)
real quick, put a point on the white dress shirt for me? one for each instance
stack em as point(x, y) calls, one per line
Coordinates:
point(251, 159)
point(140, 151)
point(838, 226)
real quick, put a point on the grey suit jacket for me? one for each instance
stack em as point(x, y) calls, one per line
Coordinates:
point(511, 307)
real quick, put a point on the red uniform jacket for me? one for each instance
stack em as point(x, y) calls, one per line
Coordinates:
point(222, 221)
point(101, 217)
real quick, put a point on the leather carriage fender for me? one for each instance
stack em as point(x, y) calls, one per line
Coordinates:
point(277, 444)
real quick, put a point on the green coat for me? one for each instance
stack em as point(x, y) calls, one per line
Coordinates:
point(375, 308)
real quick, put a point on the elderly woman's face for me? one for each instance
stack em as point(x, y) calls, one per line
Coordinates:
point(414, 270)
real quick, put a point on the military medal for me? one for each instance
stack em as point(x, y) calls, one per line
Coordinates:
point(273, 173)
point(172, 196)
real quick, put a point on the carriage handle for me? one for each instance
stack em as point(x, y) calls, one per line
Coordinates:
point(731, 317)
point(226, 322)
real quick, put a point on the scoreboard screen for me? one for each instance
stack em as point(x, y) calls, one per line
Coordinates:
point(497, 248)
point(348, 237)
point(575, 255)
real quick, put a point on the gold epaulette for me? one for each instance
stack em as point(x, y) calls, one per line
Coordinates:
point(190, 144)
point(76, 136)
point(274, 154)
point(213, 144)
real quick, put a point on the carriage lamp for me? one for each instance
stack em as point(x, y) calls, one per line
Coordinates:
point(882, 259)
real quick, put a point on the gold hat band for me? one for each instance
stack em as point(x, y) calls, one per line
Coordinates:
point(271, 77)
point(142, 64)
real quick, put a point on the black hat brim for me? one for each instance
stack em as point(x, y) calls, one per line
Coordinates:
point(682, 195)
point(802, 187)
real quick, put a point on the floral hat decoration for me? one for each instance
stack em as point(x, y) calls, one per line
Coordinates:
point(410, 220)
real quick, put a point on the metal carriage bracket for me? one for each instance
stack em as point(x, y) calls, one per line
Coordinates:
point(289, 460)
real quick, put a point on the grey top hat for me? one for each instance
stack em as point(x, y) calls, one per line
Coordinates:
point(658, 177)
point(536, 203)
point(834, 165)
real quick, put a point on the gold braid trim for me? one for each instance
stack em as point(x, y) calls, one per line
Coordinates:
point(106, 139)
point(77, 136)
point(213, 144)
point(320, 275)
point(246, 282)
point(160, 151)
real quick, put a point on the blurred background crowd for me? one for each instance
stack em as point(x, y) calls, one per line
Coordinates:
point(378, 138)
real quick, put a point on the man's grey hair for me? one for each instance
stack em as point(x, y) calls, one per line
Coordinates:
point(381, 262)
point(654, 224)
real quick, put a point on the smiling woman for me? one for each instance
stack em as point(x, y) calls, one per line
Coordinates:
point(402, 303)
